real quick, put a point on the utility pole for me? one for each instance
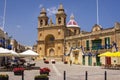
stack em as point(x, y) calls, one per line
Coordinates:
point(97, 12)
point(4, 15)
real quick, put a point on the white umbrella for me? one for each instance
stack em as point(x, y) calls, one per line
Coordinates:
point(5, 52)
point(14, 53)
point(28, 53)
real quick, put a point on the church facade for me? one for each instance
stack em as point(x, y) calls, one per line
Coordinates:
point(66, 41)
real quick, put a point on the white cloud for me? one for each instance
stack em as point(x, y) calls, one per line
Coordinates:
point(51, 11)
point(18, 26)
point(41, 5)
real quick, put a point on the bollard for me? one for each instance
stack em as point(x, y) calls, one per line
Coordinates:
point(86, 74)
point(105, 75)
point(64, 75)
point(22, 75)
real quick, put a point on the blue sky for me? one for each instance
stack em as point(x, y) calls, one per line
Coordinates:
point(21, 20)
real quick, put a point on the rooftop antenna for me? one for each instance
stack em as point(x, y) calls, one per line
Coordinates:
point(97, 12)
point(4, 15)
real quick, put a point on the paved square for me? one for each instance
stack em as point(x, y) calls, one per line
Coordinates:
point(73, 72)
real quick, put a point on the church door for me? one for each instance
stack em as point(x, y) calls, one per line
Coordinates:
point(89, 60)
point(51, 52)
point(83, 61)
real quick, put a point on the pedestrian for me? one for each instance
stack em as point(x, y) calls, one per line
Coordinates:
point(44, 58)
point(70, 62)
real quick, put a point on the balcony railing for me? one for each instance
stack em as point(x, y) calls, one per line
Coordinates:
point(98, 48)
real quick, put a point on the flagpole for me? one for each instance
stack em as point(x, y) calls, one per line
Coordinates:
point(97, 12)
point(4, 15)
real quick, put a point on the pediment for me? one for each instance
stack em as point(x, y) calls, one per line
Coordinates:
point(96, 28)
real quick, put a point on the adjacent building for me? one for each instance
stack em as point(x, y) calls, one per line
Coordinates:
point(66, 41)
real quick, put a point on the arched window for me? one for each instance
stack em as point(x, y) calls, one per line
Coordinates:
point(50, 39)
point(40, 48)
point(45, 22)
point(75, 31)
point(65, 21)
point(41, 22)
point(40, 34)
point(59, 20)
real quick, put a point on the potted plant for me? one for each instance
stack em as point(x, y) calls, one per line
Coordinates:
point(65, 62)
point(4, 77)
point(18, 70)
point(46, 61)
point(41, 77)
point(53, 61)
point(44, 70)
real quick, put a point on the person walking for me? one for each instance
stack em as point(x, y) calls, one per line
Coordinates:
point(70, 62)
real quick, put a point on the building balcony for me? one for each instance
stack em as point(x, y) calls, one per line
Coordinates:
point(99, 49)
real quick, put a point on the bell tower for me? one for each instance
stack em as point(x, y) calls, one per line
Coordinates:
point(51, 37)
point(61, 16)
point(42, 18)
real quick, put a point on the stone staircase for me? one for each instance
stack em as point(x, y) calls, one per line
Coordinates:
point(55, 58)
